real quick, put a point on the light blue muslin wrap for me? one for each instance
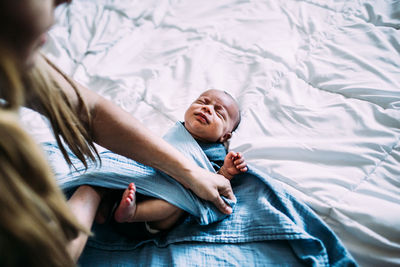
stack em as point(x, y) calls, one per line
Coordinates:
point(267, 227)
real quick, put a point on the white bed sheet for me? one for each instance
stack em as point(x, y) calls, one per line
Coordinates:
point(318, 84)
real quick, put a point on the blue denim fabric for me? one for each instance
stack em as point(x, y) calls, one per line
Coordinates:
point(268, 226)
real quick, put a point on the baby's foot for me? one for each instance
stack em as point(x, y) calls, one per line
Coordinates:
point(127, 207)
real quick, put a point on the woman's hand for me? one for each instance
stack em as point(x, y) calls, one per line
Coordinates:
point(211, 186)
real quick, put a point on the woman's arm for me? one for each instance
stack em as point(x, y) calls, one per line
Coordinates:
point(120, 132)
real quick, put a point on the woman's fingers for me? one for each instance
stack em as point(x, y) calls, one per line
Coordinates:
point(224, 188)
point(210, 186)
point(227, 192)
point(222, 206)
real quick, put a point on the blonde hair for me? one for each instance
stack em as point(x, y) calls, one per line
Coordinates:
point(36, 224)
point(37, 89)
point(70, 126)
point(11, 86)
point(35, 221)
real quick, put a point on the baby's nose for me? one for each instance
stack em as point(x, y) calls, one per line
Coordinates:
point(207, 108)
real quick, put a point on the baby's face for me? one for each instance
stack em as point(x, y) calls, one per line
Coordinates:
point(212, 116)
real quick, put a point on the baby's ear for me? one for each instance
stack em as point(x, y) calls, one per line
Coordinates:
point(225, 137)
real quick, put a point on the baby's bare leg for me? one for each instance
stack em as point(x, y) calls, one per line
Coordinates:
point(154, 210)
point(167, 223)
point(158, 213)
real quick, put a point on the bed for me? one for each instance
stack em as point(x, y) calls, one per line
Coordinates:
point(318, 84)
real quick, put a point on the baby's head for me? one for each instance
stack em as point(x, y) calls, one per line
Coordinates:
point(213, 116)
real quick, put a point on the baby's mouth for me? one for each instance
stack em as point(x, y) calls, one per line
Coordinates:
point(203, 118)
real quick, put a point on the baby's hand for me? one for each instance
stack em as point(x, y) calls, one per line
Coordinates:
point(234, 163)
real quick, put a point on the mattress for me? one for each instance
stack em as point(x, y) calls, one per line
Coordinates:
point(318, 84)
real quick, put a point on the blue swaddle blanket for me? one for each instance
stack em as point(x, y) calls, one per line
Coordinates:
point(270, 225)
point(118, 172)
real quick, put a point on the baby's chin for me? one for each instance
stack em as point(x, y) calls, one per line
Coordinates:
point(198, 138)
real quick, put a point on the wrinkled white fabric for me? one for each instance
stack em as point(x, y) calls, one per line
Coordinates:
point(318, 83)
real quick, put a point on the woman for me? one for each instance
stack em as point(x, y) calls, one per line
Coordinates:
point(36, 223)
point(79, 118)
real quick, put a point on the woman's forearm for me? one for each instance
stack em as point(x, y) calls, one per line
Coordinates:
point(121, 133)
